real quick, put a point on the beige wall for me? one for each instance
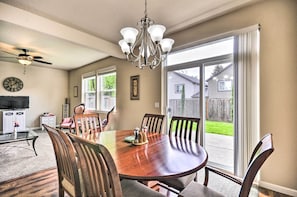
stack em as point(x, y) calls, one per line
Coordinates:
point(128, 113)
point(47, 89)
point(278, 76)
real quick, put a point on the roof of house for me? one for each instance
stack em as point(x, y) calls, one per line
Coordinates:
point(192, 79)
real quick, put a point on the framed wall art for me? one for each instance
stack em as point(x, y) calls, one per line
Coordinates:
point(134, 87)
point(75, 91)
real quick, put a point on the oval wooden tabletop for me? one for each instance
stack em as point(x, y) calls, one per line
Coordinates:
point(162, 157)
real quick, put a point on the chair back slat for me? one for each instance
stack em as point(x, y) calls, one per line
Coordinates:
point(261, 152)
point(88, 125)
point(66, 162)
point(185, 127)
point(153, 122)
point(99, 173)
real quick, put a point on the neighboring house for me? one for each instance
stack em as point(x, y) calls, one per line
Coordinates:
point(219, 104)
point(218, 92)
point(221, 84)
point(178, 81)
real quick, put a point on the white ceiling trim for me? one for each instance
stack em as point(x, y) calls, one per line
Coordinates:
point(210, 14)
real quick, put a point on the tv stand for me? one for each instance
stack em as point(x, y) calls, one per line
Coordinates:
point(9, 117)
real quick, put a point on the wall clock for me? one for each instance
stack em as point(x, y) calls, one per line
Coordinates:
point(13, 84)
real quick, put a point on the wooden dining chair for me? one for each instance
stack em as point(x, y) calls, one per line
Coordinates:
point(99, 173)
point(261, 152)
point(87, 125)
point(153, 122)
point(186, 128)
point(79, 109)
point(107, 119)
point(66, 163)
point(67, 123)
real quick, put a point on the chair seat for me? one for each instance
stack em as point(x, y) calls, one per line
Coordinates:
point(131, 188)
point(195, 189)
point(179, 183)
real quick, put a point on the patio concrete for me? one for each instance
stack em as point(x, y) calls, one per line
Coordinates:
point(220, 149)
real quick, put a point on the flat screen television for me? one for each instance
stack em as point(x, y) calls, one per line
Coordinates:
point(14, 102)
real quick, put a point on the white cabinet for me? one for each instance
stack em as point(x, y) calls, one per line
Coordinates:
point(50, 120)
point(10, 117)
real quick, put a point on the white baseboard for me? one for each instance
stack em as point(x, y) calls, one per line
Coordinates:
point(278, 188)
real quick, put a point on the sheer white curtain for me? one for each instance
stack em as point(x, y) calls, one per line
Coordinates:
point(248, 95)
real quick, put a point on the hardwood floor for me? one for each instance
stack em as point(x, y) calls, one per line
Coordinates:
point(45, 184)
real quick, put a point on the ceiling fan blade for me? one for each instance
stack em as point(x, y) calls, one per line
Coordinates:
point(42, 61)
point(37, 57)
point(22, 49)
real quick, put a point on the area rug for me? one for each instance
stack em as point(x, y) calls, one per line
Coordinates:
point(18, 158)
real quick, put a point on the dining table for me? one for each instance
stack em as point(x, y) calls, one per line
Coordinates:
point(162, 157)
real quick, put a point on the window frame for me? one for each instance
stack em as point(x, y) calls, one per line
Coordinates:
point(178, 90)
point(97, 98)
point(225, 89)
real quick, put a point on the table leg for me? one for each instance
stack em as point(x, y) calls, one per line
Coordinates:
point(33, 144)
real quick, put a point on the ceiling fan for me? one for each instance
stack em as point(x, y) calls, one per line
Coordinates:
point(26, 59)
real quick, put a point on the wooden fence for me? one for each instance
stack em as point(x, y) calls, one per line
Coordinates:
point(217, 109)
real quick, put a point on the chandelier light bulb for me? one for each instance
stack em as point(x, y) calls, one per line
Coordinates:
point(124, 46)
point(129, 34)
point(166, 44)
point(156, 32)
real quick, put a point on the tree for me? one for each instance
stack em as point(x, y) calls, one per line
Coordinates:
point(217, 69)
point(109, 82)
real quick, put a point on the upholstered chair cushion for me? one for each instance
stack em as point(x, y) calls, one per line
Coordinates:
point(195, 189)
point(131, 188)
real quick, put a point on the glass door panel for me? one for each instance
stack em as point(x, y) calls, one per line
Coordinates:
point(219, 126)
point(183, 94)
point(200, 84)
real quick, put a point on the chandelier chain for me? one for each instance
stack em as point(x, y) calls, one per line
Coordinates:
point(145, 8)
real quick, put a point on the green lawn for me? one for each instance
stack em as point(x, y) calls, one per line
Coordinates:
point(216, 127)
point(223, 128)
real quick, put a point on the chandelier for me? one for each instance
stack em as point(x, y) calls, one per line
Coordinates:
point(148, 47)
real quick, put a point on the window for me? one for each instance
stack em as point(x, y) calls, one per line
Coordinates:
point(99, 90)
point(224, 86)
point(89, 92)
point(106, 91)
point(179, 88)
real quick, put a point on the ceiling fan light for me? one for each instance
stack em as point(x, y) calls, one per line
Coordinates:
point(129, 34)
point(166, 44)
point(25, 62)
point(156, 32)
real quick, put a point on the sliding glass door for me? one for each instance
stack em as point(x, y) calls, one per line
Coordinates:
point(200, 84)
point(218, 82)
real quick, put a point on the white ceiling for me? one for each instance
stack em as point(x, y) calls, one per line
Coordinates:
point(73, 33)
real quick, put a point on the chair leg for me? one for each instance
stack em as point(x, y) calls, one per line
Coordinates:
point(206, 177)
point(168, 188)
point(61, 191)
